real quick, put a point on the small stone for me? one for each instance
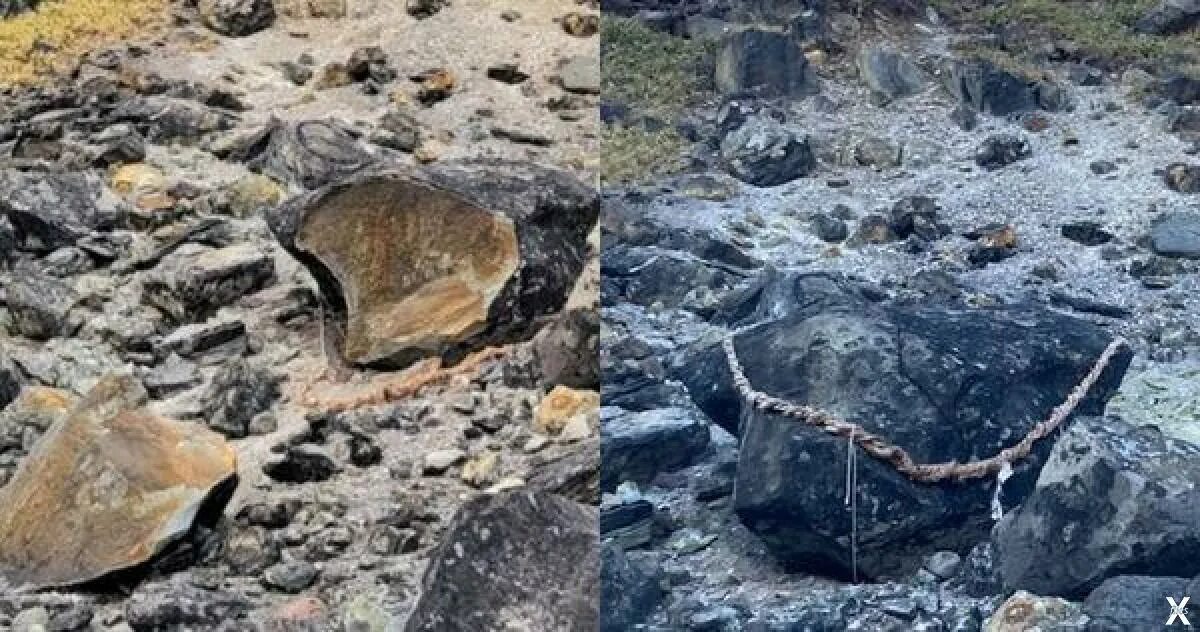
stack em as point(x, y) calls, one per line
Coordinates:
point(480, 470)
point(364, 614)
point(581, 75)
point(237, 18)
point(438, 461)
point(1102, 167)
point(828, 228)
point(1086, 232)
point(1001, 150)
point(581, 24)
point(32, 620)
point(561, 405)
point(422, 9)
point(507, 73)
point(437, 84)
point(290, 577)
point(301, 464)
point(297, 73)
point(944, 564)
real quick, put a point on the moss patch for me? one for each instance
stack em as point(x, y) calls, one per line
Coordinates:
point(652, 72)
point(1100, 28)
point(632, 154)
point(36, 46)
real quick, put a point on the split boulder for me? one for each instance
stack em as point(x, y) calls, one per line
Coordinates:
point(107, 489)
point(441, 261)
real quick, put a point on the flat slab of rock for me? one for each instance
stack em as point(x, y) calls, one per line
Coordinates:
point(106, 489)
point(192, 283)
point(515, 561)
point(639, 445)
point(444, 260)
point(1177, 235)
point(50, 211)
point(1112, 500)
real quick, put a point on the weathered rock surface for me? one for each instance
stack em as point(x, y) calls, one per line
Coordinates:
point(191, 284)
point(50, 211)
point(106, 489)
point(1111, 500)
point(1177, 235)
point(515, 560)
point(237, 18)
point(765, 62)
point(309, 154)
point(990, 89)
point(1133, 602)
point(910, 374)
point(639, 445)
point(766, 153)
point(890, 74)
point(442, 260)
point(627, 593)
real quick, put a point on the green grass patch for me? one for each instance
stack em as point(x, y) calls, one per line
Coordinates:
point(633, 155)
point(38, 45)
point(1103, 28)
point(652, 72)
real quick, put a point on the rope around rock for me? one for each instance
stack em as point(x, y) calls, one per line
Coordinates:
point(880, 448)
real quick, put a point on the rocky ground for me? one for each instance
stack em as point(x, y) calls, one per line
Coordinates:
point(932, 228)
point(144, 232)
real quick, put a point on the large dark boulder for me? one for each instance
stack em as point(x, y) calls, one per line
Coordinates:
point(11, 380)
point(1113, 499)
point(764, 62)
point(637, 446)
point(890, 74)
point(441, 260)
point(51, 210)
point(515, 560)
point(653, 276)
point(765, 153)
point(944, 383)
point(991, 89)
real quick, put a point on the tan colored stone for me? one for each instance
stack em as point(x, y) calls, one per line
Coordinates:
point(480, 470)
point(253, 192)
point(106, 488)
point(1025, 612)
point(563, 404)
point(453, 259)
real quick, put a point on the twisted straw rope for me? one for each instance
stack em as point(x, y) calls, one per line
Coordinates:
point(881, 449)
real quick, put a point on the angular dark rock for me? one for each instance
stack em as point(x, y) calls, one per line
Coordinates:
point(943, 383)
point(627, 594)
point(40, 305)
point(50, 211)
point(1001, 150)
point(1182, 177)
point(765, 153)
point(168, 605)
point(516, 559)
point(237, 18)
point(1133, 602)
point(1086, 232)
point(828, 228)
point(637, 446)
point(9, 8)
point(239, 392)
point(1112, 499)
point(567, 350)
point(515, 234)
point(310, 154)
point(192, 283)
point(765, 62)
point(890, 74)
point(301, 464)
point(990, 89)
